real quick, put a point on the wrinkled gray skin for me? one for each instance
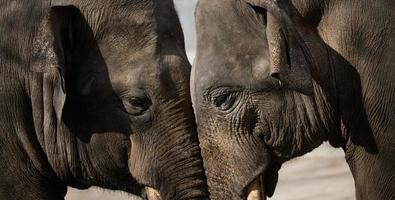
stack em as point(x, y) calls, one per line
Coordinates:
point(272, 81)
point(96, 93)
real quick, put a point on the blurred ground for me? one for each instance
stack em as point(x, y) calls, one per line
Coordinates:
point(98, 194)
point(322, 174)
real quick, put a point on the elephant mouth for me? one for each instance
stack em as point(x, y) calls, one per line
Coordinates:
point(262, 186)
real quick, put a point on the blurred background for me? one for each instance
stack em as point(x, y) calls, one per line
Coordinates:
point(322, 174)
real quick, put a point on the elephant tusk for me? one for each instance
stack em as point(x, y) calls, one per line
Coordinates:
point(152, 194)
point(255, 190)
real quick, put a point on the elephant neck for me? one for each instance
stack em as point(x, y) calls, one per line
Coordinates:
point(327, 98)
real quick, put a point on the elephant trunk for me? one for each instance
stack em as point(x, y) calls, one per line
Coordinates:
point(186, 182)
point(180, 162)
point(171, 162)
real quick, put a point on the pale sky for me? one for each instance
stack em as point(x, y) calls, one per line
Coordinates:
point(186, 11)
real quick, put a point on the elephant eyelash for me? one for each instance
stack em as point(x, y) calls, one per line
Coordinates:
point(225, 102)
point(126, 94)
point(139, 102)
point(220, 90)
point(134, 103)
point(222, 98)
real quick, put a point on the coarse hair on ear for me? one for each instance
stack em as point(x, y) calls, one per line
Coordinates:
point(290, 58)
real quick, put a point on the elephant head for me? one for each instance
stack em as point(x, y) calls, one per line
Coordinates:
point(114, 110)
point(258, 98)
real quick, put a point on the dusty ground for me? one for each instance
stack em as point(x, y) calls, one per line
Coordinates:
point(322, 174)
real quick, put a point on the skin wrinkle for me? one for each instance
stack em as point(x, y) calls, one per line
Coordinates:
point(350, 105)
point(17, 129)
point(172, 108)
point(93, 119)
point(379, 126)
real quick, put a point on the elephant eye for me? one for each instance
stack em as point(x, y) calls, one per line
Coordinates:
point(136, 105)
point(224, 100)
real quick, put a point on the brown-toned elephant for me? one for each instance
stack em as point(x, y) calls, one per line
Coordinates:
point(273, 79)
point(95, 92)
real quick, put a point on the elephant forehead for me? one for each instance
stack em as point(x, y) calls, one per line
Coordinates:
point(145, 68)
point(232, 45)
point(231, 58)
point(158, 73)
point(134, 74)
point(248, 71)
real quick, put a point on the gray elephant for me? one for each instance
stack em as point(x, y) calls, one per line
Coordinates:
point(95, 93)
point(273, 80)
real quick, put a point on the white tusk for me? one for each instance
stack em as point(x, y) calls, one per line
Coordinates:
point(152, 194)
point(254, 190)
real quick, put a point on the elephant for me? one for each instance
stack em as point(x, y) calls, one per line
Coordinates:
point(96, 93)
point(274, 79)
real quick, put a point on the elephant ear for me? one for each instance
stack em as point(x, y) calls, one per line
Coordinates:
point(52, 47)
point(290, 57)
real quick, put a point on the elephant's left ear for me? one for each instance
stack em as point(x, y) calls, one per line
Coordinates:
point(52, 48)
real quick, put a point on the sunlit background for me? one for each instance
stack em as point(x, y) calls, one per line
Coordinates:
point(322, 174)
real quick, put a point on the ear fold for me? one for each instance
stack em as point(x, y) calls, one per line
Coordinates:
point(53, 47)
point(51, 56)
point(290, 58)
